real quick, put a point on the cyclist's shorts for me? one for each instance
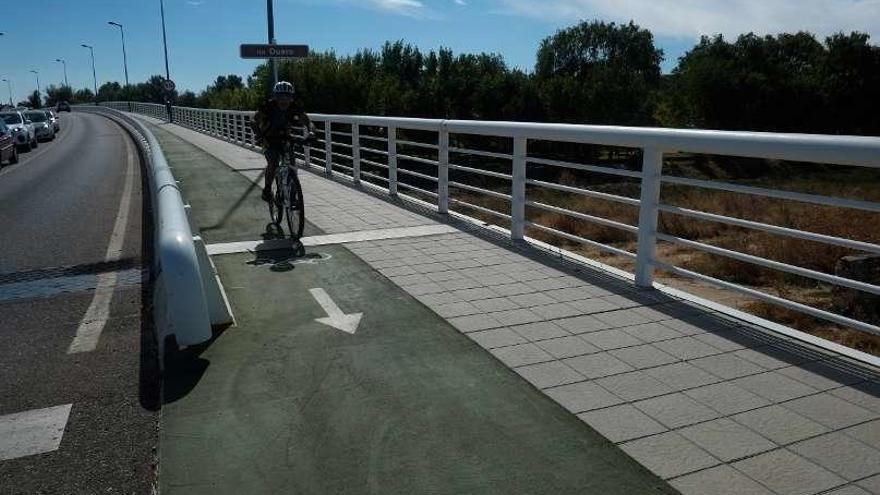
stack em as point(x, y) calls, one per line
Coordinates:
point(274, 153)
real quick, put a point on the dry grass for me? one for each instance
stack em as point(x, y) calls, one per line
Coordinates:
point(840, 222)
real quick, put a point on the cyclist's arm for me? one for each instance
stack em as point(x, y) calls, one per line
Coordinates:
point(260, 125)
point(306, 122)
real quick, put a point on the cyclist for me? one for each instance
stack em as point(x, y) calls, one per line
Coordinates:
point(272, 124)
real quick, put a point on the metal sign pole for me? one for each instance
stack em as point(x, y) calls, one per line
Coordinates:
point(273, 67)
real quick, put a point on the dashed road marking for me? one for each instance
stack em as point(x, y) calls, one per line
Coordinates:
point(89, 331)
point(32, 432)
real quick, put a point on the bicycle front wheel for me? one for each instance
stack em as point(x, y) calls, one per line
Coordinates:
point(276, 208)
point(296, 211)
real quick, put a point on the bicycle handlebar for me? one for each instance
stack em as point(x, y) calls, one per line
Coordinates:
point(311, 138)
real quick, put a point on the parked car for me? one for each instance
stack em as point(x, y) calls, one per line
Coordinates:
point(54, 119)
point(8, 149)
point(42, 125)
point(63, 106)
point(22, 128)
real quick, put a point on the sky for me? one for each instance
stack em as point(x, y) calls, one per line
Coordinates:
point(203, 35)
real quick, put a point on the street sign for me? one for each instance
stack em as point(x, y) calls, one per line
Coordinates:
point(274, 51)
point(169, 85)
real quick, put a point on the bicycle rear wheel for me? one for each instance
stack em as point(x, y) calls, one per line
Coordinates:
point(296, 213)
point(276, 208)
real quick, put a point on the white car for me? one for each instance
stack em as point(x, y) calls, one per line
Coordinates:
point(54, 119)
point(22, 128)
point(43, 127)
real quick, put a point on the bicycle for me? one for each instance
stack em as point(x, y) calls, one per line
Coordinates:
point(287, 198)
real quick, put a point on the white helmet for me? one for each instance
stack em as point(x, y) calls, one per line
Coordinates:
point(283, 88)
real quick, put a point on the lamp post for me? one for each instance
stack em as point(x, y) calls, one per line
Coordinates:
point(39, 90)
point(9, 84)
point(94, 74)
point(167, 71)
point(124, 57)
point(66, 84)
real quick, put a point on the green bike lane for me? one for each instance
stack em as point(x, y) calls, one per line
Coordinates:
point(284, 403)
point(226, 205)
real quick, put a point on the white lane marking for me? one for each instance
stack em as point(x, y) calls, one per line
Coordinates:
point(323, 240)
point(335, 317)
point(32, 432)
point(92, 324)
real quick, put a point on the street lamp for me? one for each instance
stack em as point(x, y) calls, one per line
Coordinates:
point(66, 84)
point(9, 84)
point(39, 90)
point(124, 57)
point(167, 71)
point(94, 75)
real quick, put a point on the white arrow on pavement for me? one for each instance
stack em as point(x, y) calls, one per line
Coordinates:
point(335, 317)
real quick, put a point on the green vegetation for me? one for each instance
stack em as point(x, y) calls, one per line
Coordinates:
point(594, 72)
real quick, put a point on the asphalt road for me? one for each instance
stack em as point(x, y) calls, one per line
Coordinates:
point(72, 279)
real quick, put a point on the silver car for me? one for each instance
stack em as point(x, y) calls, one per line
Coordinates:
point(42, 125)
point(22, 128)
point(54, 119)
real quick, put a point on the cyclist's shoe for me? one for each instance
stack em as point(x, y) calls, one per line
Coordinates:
point(267, 195)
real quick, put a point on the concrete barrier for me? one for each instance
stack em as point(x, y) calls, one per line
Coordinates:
point(187, 297)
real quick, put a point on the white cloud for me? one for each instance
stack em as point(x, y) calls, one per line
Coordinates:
point(411, 8)
point(196, 3)
point(460, 2)
point(692, 18)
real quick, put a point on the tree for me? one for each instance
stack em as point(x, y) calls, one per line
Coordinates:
point(850, 84)
point(783, 83)
point(188, 99)
point(35, 100)
point(55, 94)
point(84, 95)
point(599, 72)
point(111, 91)
point(756, 83)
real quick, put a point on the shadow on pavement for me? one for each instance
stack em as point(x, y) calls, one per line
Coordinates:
point(184, 368)
point(219, 224)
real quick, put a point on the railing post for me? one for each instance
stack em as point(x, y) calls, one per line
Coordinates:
point(518, 189)
point(443, 171)
point(392, 160)
point(652, 167)
point(356, 152)
point(328, 147)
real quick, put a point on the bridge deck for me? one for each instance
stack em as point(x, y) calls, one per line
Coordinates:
point(479, 365)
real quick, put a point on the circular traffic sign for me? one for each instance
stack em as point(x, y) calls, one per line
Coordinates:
point(169, 85)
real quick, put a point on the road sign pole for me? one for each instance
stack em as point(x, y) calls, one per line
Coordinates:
point(270, 15)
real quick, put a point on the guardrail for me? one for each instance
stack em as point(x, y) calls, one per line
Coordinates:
point(382, 152)
point(187, 297)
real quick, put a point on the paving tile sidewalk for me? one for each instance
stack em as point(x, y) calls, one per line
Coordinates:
point(712, 404)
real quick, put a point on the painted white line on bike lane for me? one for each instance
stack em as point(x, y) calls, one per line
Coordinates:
point(330, 239)
point(92, 324)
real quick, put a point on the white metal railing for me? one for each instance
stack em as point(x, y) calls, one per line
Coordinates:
point(404, 159)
